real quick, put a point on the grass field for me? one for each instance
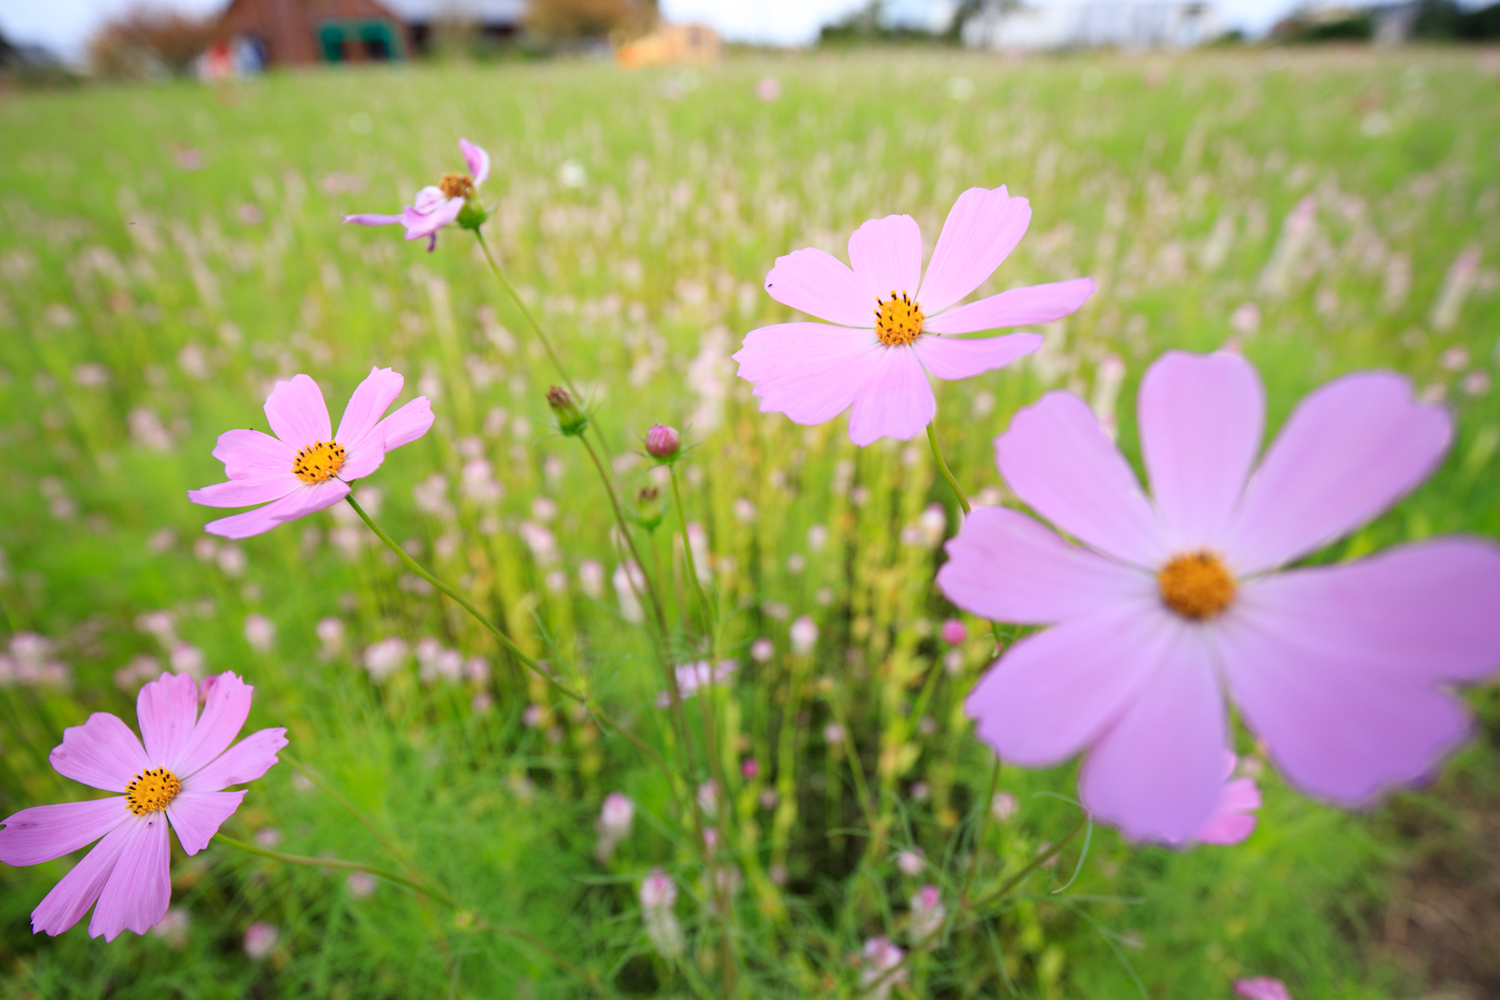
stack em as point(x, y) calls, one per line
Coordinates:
point(167, 252)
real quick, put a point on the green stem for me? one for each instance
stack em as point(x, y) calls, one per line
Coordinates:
point(687, 552)
point(495, 630)
point(984, 823)
point(1036, 862)
point(432, 889)
point(350, 808)
point(937, 453)
point(530, 319)
point(614, 502)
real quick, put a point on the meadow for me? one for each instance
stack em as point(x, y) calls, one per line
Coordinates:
point(167, 252)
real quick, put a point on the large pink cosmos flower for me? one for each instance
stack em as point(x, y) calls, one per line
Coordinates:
point(437, 205)
point(1169, 603)
point(306, 467)
point(812, 372)
point(177, 777)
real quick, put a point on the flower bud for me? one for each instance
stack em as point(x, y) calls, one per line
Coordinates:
point(648, 509)
point(570, 419)
point(954, 632)
point(663, 443)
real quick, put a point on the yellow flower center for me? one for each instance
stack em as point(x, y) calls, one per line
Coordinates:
point(317, 463)
point(151, 790)
point(1196, 585)
point(897, 321)
point(456, 186)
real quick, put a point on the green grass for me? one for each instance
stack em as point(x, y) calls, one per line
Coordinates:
point(145, 307)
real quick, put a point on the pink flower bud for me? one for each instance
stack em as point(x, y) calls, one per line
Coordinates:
point(663, 442)
point(749, 768)
point(954, 632)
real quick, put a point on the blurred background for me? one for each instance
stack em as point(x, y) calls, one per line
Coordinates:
point(1315, 185)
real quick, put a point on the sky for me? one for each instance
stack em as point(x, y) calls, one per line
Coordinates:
point(64, 26)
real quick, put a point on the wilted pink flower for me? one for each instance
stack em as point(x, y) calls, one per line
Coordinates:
point(911, 863)
point(954, 633)
point(663, 442)
point(804, 635)
point(616, 817)
point(360, 885)
point(658, 890)
point(658, 894)
point(879, 957)
point(1003, 806)
point(1232, 820)
point(306, 467)
point(692, 677)
point(927, 913)
point(260, 939)
point(1171, 603)
point(178, 776)
point(1262, 988)
point(437, 205)
point(812, 372)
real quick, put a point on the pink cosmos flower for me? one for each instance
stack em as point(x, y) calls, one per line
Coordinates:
point(436, 205)
point(177, 777)
point(1262, 988)
point(895, 326)
point(1232, 820)
point(306, 467)
point(1168, 604)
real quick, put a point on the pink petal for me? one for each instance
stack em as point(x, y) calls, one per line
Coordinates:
point(789, 348)
point(1262, 988)
point(424, 224)
point(197, 816)
point(477, 160)
point(809, 371)
point(819, 284)
point(896, 400)
point(1348, 451)
point(370, 219)
point(406, 424)
point(297, 413)
point(427, 200)
point(1336, 727)
point(1201, 417)
point(950, 358)
point(138, 891)
point(981, 230)
point(42, 833)
point(1053, 692)
point(1428, 611)
point(247, 760)
point(76, 891)
point(1231, 822)
point(1017, 307)
point(245, 492)
point(248, 453)
point(224, 714)
point(166, 710)
point(371, 399)
point(1061, 463)
point(886, 255)
point(307, 500)
point(1157, 770)
point(102, 753)
point(1007, 567)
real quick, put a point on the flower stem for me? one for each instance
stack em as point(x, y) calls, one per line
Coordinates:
point(530, 319)
point(984, 823)
point(937, 453)
point(687, 553)
point(1035, 863)
point(432, 889)
point(527, 661)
